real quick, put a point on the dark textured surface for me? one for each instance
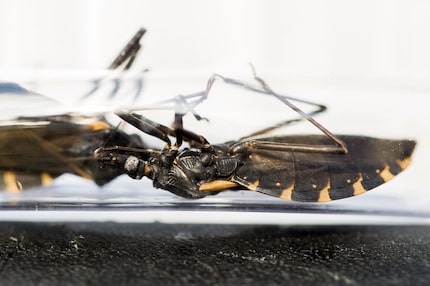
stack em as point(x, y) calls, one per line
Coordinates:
point(154, 254)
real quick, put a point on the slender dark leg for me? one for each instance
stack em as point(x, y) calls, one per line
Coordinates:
point(127, 55)
point(162, 132)
point(132, 58)
point(129, 51)
point(147, 126)
point(192, 138)
point(189, 102)
point(340, 145)
point(319, 107)
point(182, 105)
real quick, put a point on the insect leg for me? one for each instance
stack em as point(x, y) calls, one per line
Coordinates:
point(160, 131)
point(244, 146)
point(189, 106)
point(180, 104)
point(250, 87)
point(132, 58)
point(147, 126)
point(190, 136)
point(189, 102)
point(127, 54)
point(129, 51)
point(319, 108)
point(340, 145)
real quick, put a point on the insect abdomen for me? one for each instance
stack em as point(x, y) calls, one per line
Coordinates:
point(319, 177)
point(369, 163)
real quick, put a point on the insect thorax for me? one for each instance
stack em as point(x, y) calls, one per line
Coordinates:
point(190, 169)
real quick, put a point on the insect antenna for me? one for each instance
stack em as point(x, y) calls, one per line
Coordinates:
point(127, 149)
point(112, 134)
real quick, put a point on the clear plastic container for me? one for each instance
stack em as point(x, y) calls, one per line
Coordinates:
point(371, 110)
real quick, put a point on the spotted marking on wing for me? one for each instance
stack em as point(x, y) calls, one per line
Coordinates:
point(254, 186)
point(324, 195)
point(404, 163)
point(46, 179)
point(11, 183)
point(385, 174)
point(98, 125)
point(287, 193)
point(358, 186)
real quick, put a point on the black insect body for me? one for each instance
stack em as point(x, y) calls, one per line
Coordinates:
point(183, 173)
point(310, 168)
point(299, 176)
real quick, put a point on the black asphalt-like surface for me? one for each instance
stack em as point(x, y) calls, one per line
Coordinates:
point(160, 254)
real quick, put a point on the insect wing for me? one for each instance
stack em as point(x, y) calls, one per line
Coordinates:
point(320, 177)
point(35, 150)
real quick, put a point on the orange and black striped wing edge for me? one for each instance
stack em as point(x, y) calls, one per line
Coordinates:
point(318, 177)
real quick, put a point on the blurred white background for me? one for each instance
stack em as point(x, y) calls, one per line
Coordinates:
point(335, 38)
point(368, 60)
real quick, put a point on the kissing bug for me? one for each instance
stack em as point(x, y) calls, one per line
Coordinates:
point(311, 168)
